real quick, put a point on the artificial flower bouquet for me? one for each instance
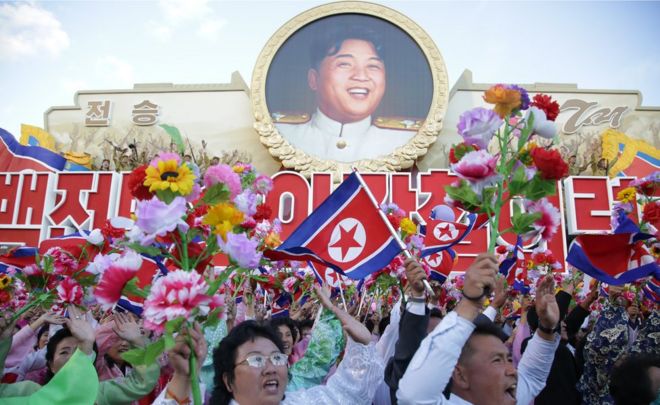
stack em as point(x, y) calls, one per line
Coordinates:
point(641, 194)
point(187, 220)
point(519, 164)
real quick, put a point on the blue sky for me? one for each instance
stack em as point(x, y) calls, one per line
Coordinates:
point(50, 49)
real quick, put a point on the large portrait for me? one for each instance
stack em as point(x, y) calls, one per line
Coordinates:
point(349, 84)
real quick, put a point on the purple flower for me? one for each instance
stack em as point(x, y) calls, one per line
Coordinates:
point(246, 202)
point(155, 218)
point(478, 125)
point(225, 175)
point(241, 249)
point(524, 97)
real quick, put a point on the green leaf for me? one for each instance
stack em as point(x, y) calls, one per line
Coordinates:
point(145, 355)
point(174, 325)
point(213, 318)
point(465, 195)
point(538, 188)
point(518, 182)
point(147, 250)
point(526, 131)
point(215, 194)
point(131, 288)
point(166, 196)
point(174, 133)
point(522, 223)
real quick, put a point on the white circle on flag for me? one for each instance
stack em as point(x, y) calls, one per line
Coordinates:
point(445, 231)
point(347, 240)
point(434, 260)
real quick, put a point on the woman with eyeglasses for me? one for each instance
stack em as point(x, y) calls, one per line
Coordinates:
point(251, 368)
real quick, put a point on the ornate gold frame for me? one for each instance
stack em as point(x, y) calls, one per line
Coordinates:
point(402, 157)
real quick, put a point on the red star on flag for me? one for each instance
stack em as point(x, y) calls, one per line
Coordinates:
point(346, 240)
point(442, 231)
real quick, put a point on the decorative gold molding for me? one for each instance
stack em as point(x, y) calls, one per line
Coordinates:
point(400, 158)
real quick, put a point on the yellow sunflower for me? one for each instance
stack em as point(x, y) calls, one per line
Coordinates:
point(626, 195)
point(169, 175)
point(223, 218)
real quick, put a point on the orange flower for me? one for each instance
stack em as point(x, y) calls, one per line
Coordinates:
point(505, 100)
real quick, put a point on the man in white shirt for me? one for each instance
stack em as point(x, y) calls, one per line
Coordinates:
point(476, 362)
point(348, 76)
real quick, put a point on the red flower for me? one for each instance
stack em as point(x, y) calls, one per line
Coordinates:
point(394, 220)
point(651, 214)
point(4, 296)
point(550, 163)
point(110, 231)
point(114, 279)
point(136, 184)
point(547, 104)
point(264, 212)
point(194, 250)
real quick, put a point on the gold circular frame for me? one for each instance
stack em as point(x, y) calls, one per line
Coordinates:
point(400, 158)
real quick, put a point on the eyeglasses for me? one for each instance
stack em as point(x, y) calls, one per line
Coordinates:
point(259, 360)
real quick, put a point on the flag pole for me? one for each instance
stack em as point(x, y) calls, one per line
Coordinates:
point(341, 291)
point(395, 235)
point(361, 302)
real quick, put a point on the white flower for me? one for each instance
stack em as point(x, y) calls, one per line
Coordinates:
point(95, 237)
point(543, 127)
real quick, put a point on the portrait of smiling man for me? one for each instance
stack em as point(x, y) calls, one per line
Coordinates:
point(348, 76)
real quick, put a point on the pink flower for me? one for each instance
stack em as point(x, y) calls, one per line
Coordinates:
point(109, 289)
point(223, 174)
point(63, 262)
point(165, 156)
point(263, 184)
point(550, 219)
point(476, 167)
point(69, 291)
point(32, 270)
point(174, 296)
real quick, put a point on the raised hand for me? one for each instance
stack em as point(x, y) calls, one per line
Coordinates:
point(479, 277)
point(126, 328)
point(81, 329)
point(415, 275)
point(546, 307)
point(6, 327)
point(501, 293)
point(356, 330)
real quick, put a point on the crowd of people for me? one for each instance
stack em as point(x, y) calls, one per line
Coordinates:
point(415, 351)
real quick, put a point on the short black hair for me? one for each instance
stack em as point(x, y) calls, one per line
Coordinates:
point(630, 383)
point(482, 328)
point(305, 323)
point(435, 313)
point(288, 322)
point(224, 356)
point(329, 42)
point(42, 330)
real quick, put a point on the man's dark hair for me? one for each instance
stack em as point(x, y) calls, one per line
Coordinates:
point(329, 42)
point(630, 383)
point(288, 322)
point(435, 313)
point(224, 356)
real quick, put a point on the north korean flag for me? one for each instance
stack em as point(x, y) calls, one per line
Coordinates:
point(346, 233)
point(614, 259)
point(442, 235)
point(15, 157)
point(652, 289)
point(440, 264)
point(326, 275)
point(513, 267)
